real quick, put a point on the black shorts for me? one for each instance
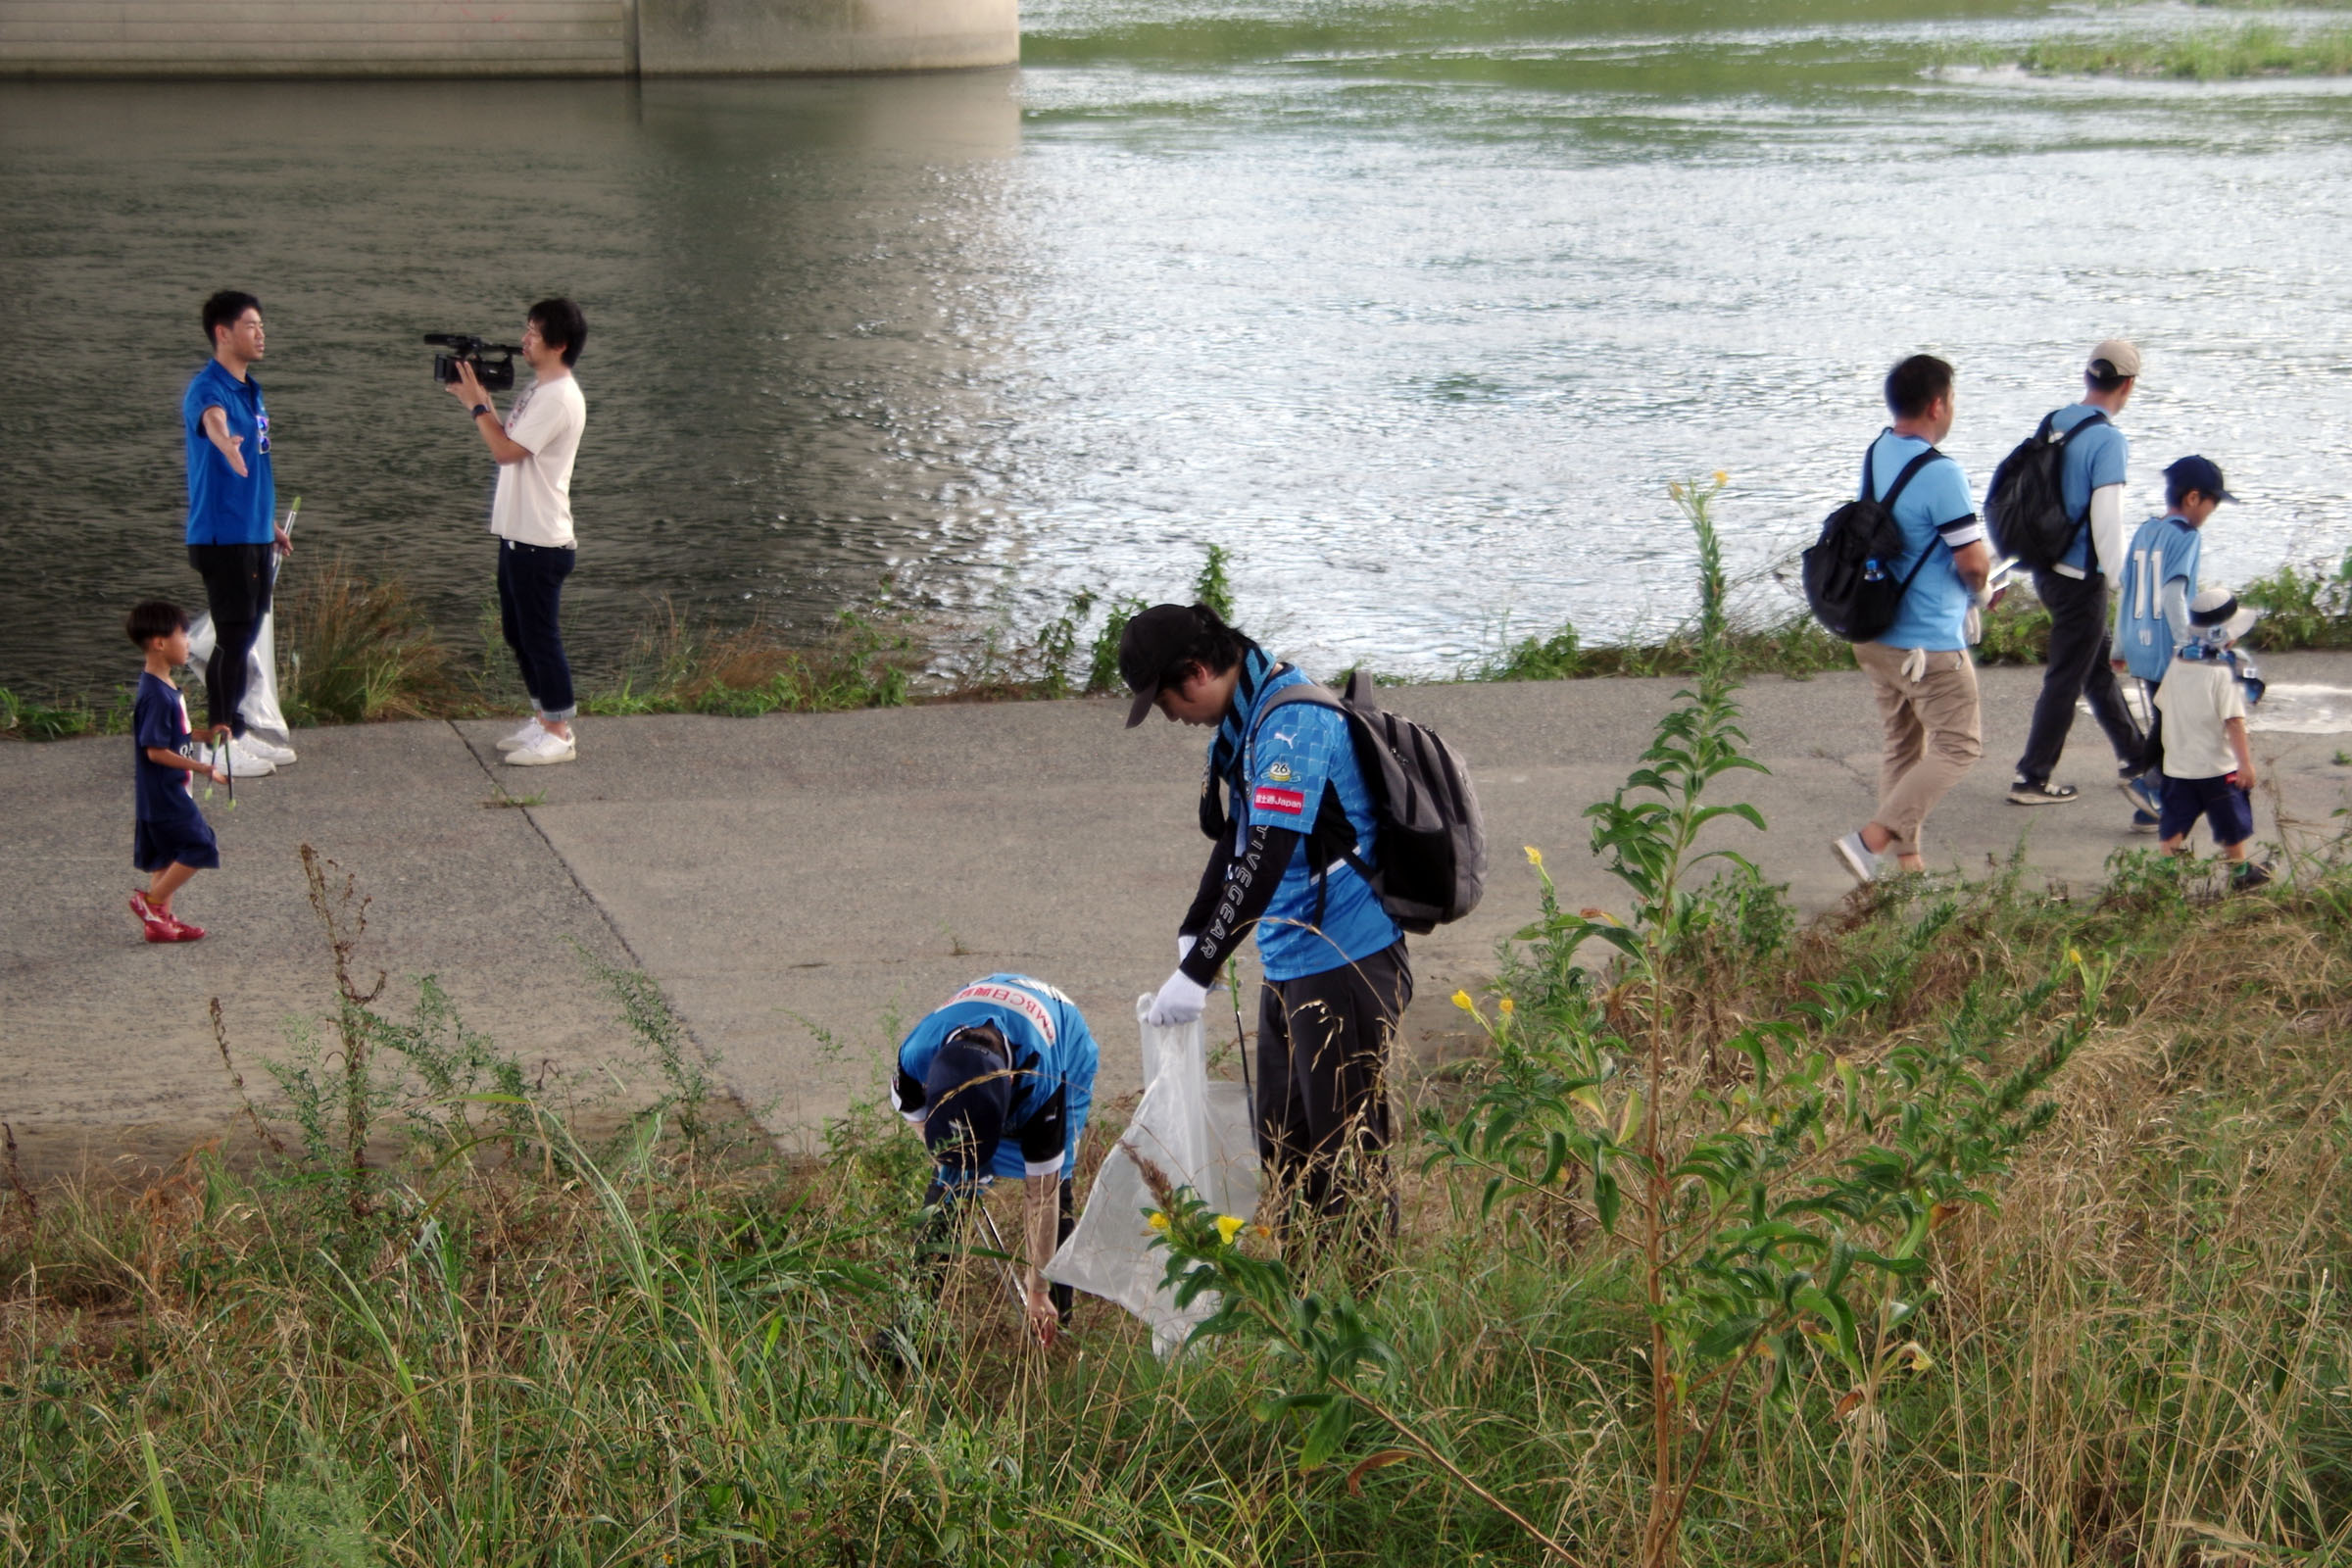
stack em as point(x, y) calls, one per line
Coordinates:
point(2220, 803)
point(237, 581)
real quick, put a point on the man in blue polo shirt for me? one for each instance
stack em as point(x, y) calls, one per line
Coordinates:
point(999, 1081)
point(2159, 579)
point(232, 514)
point(2074, 590)
point(1293, 808)
point(1921, 676)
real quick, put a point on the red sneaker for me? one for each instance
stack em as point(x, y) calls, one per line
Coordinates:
point(149, 916)
point(181, 931)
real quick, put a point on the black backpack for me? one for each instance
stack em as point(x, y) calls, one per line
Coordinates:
point(2024, 506)
point(1431, 836)
point(1849, 572)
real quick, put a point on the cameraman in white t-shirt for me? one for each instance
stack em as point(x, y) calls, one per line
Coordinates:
point(531, 515)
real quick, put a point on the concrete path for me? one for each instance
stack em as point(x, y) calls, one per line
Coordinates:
point(803, 887)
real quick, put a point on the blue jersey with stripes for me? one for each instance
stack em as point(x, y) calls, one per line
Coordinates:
point(1322, 915)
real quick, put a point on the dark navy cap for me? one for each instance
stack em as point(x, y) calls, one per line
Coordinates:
point(1154, 639)
point(2198, 475)
point(967, 1095)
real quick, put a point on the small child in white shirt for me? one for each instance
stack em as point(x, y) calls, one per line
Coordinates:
point(2208, 768)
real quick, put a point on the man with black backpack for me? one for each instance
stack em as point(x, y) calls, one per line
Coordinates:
point(2074, 542)
point(1918, 665)
point(1286, 802)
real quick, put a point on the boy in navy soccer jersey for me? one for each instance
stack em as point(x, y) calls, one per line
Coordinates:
point(172, 841)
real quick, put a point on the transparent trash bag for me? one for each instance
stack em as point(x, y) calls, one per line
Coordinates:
point(1196, 1131)
point(260, 707)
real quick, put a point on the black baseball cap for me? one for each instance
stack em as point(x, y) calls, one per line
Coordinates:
point(967, 1094)
point(2199, 474)
point(1154, 639)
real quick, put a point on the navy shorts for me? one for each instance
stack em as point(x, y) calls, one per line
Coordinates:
point(182, 841)
point(2217, 800)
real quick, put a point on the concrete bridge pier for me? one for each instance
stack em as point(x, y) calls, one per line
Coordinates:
point(515, 38)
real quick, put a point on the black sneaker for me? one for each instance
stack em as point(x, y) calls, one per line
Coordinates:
point(2145, 821)
point(2249, 875)
point(2025, 791)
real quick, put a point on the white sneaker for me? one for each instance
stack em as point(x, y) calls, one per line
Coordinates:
point(531, 730)
point(1856, 859)
point(269, 751)
point(243, 761)
point(549, 748)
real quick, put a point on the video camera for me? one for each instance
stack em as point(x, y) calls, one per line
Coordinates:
point(495, 374)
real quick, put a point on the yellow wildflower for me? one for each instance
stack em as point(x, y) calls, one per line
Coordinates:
point(2074, 955)
point(1461, 999)
point(1507, 1006)
point(1722, 477)
point(1159, 1221)
point(1534, 857)
point(1228, 1227)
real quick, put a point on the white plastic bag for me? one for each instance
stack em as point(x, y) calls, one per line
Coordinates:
point(1198, 1133)
point(260, 707)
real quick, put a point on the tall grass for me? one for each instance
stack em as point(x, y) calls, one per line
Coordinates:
point(536, 1351)
point(357, 649)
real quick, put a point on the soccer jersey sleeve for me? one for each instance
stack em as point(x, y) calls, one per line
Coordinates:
point(1944, 490)
point(2109, 454)
point(1044, 1136)
point(915, 1061)
point(155, 722)
point(1290, 763)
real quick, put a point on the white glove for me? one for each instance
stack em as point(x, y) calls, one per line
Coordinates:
point(1179, 1001)
point(1185, 944)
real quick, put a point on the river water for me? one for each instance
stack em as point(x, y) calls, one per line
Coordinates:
point(1417, 309)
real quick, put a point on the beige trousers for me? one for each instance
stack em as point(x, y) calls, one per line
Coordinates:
point(1930, 717)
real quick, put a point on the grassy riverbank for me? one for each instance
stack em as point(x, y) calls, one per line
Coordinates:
point(354, 648)
point(485, 1343)
point(1990, 1224)
point(2221, 54)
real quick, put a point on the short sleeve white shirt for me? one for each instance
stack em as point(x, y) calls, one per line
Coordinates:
point(2198, 699)
point(532, 504)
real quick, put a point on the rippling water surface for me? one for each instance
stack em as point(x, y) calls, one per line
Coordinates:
point(1417, 309)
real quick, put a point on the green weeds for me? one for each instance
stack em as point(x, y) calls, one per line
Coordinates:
point(2219, 55)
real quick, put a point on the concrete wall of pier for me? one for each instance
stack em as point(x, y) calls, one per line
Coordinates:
point(500, 37)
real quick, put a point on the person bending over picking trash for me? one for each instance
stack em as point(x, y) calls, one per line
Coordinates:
point(1292, 822)
point(999, 1081)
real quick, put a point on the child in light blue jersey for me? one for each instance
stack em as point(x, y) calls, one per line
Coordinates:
point(2152, 594)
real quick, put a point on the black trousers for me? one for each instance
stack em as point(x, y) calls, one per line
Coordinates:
point(236, 591)
point(937, 1235)
point(1322, 1110)
point(2079, 667)
point(531, 602)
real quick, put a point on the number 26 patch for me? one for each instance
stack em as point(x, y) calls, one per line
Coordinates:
point(1269, 799)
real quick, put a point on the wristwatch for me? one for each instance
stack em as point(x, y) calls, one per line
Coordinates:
point(480, 409)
